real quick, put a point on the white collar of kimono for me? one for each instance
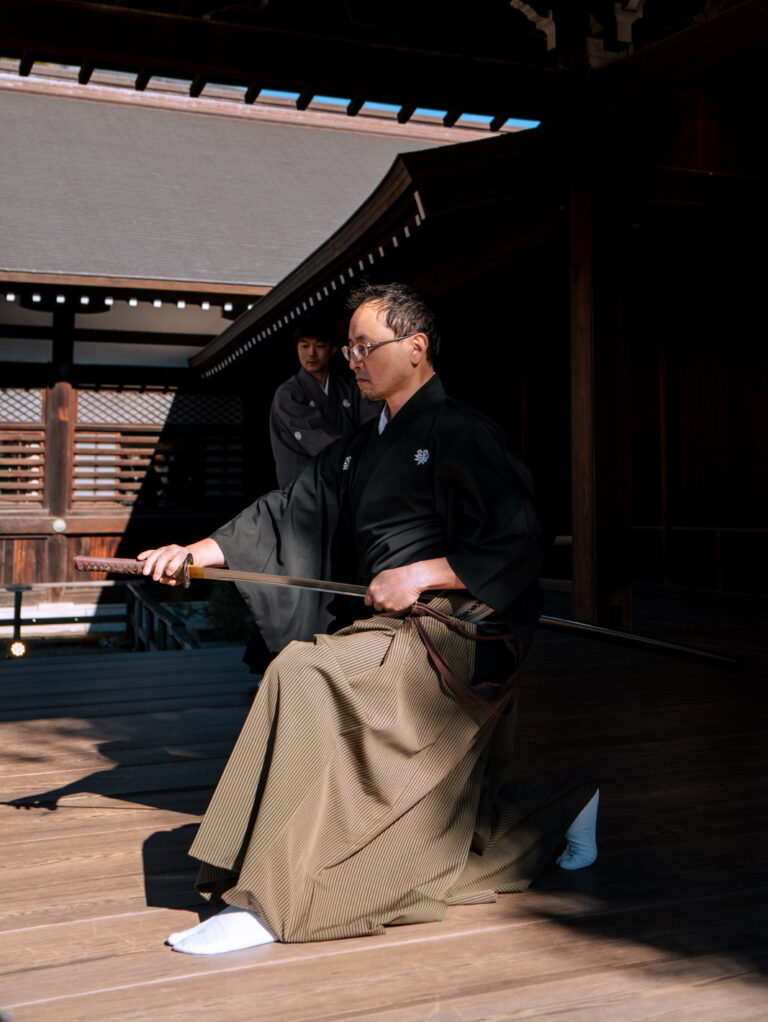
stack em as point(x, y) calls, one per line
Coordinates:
point(327, 381)
point(383, 419)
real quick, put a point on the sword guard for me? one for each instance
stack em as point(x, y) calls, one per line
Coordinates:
point(183, 572)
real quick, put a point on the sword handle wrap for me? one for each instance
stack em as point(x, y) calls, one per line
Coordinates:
point(117, 565)
point(124, 566)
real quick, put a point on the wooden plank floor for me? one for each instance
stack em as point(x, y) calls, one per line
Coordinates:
point(120, 752)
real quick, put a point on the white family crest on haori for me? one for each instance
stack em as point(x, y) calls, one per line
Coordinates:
point(347, 460)
point(421, 457)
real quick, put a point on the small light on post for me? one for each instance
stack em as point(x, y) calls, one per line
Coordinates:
point(59, 525)
point(17, 649)
point(157, 303)
point(133, 302)
point(181, 304)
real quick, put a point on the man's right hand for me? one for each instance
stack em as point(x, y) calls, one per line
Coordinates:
point(164, 562)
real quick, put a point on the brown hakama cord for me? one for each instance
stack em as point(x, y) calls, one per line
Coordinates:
point(363, 791)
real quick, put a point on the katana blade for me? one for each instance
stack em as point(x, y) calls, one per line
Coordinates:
point(320, 585)
point(127, 566)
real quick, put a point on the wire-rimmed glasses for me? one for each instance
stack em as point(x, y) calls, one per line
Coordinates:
point(363, 349)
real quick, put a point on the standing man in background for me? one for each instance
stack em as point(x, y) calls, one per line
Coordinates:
point(316, 406)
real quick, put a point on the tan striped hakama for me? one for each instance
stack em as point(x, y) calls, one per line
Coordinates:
point(363, 792)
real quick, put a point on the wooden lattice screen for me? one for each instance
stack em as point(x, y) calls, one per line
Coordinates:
point(156, 449)
point(22, 448)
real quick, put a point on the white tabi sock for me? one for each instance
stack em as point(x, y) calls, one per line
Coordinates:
point(233, 929)
point(581, 846)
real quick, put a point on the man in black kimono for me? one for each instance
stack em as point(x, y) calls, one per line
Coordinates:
point(314, 407)
point(371, 783)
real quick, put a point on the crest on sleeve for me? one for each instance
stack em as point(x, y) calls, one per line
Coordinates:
point(421, 457)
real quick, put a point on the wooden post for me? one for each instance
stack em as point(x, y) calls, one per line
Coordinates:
point(162, 633)
point(601, 454)
point(130, 611)
point(583, 500)
point(666, 531)
point(60, 426)
point(58, 475)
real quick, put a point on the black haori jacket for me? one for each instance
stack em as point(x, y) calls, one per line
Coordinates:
point(439, 481)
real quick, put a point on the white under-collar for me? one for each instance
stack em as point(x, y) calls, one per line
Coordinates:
point(384, 419)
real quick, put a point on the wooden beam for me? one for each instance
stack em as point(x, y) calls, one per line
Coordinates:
point(135, 285)
point(406, 111)
point(38, 374)
point(252, 93)
point(85, 72)
point(43, 333)
point(172, 98)
point(198, 84)
point(142, 79)
point(731, 34)
point(141, 337)
point(74, 31)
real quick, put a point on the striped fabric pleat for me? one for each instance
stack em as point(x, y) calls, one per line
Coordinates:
point(363, 792)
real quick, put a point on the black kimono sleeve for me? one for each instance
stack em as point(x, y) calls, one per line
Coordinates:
point(484, 497)
point(292, 532)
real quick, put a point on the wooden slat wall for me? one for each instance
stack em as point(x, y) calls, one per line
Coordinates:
point(25, 560)
point(125, 469)
point(22, 466)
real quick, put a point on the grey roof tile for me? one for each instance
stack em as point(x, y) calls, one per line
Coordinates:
point(110, 189)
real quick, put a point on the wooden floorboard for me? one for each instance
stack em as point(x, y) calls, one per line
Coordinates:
point(107, 763)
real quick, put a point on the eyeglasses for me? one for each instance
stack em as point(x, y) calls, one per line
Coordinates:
point(361, 351)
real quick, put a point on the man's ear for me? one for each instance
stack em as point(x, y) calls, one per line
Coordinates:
point(419, 344)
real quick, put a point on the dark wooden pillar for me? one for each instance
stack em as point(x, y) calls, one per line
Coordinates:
point(60, 428)
point(583, 489)
point(63, 343)
point(601, 456)
point(666, 527)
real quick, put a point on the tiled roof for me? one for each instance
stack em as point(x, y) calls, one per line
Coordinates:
point(115, 190)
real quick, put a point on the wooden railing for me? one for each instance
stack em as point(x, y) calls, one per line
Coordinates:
point(150, 625)
point(113, 615)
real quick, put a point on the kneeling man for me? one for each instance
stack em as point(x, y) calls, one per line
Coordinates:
point(371, 784)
